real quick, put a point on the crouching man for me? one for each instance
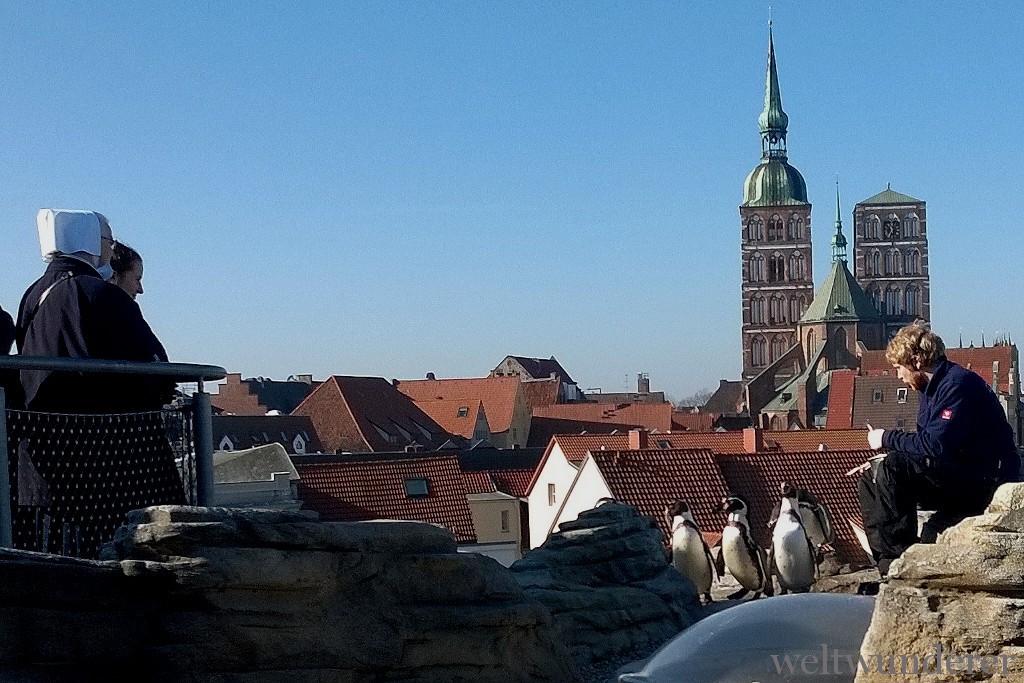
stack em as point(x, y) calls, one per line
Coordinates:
point(962, 450)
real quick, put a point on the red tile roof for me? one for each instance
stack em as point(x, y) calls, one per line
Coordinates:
point(693, 422)
point(498, 394)
point(757, 476)
point(653, 479)
point(542, 429)
point(653, 416)
point(350, 413)
point(446, 413)
point(540, 392)
point(511, 482)
point(812, 439)
point(978, 359)
point(355, 488)
point(840, 400)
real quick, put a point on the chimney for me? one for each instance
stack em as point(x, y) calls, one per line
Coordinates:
point(637, 439)
point(753, 440)
point(995, 376)
point(1013, 379)
point(305, 379)
point(643, 383)
point(431, 375)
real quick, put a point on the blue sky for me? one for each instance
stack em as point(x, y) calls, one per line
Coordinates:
point(396, 188)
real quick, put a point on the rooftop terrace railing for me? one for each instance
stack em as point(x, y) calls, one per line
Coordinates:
point(79, 473)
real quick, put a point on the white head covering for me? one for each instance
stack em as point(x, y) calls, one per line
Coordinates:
point(71, 232)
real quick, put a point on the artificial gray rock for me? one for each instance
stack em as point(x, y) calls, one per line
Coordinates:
point(957, 603)
point(225, 595)
point(608, 584)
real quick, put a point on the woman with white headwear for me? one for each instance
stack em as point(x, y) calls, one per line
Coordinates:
point(72, 312)
point(84, 475)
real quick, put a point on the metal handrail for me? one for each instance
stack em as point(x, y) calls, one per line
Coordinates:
point(180, 372)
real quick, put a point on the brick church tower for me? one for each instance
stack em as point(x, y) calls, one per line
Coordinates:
point(775, 219)
point(892, 257)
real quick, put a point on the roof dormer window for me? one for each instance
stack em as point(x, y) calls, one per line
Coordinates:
point(416, 487)
point(463, 411)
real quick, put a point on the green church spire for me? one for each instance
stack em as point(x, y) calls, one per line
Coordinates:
point(838, 240)
point(773, 120)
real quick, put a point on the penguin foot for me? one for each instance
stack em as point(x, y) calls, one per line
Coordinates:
point(708, 599)
point(739, 594)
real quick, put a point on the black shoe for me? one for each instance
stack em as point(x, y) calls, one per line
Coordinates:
point(883, 566)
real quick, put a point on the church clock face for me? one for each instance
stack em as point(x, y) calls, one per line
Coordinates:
point(891, 229)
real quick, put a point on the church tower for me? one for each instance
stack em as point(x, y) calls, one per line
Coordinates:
point(775, 219)
point(892, 257)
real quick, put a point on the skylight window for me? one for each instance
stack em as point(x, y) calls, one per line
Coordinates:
point(901, 395)
point(416, 488)
point(664, 443)
point(463, 411)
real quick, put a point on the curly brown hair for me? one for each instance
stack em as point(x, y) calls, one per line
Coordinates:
point(915, 342)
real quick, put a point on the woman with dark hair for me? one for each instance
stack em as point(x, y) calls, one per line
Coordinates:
point(127, 266)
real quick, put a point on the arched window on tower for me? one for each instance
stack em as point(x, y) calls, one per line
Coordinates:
point(876, 297)
point(757, 310)
point(840, 338)
point(873, 225)
point(893, 262)
point(913, 300)
point(812, 341)
point(776, 268)
point(758, 352)
point(875, 263)
point(777, 309)
point(794, 229)
point(756, 268)
point(893, 300)
point(755, 229)
point(794, 308)
point(912, 262)
point(803, 305)
point(778, 347)
point(910, 226)
point(796, 266)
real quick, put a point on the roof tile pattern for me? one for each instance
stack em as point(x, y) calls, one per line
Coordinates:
point(540, 392)
point(651, 480)
point(498, 395)
point(978, 359)
point(356, 488)
point(840, 400)
point(757, 477)
point(693, 422)
point(455, 416)
point(653, 416)
point(249, 431)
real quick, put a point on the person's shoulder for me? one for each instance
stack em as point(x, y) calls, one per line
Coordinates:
point(965, 377)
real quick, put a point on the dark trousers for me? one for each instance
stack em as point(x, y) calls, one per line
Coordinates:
point(889, 501)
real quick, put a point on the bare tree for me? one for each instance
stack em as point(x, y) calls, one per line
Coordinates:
point(697, 398)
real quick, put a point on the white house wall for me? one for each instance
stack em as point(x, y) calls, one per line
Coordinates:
point(588, 488)
point(558, 471)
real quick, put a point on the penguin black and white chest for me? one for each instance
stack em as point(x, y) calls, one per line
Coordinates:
point(815, 516)
point(690, 554)
point(792, 555)
point(743, 558)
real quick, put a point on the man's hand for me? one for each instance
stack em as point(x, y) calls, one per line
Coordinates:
point(875, 437)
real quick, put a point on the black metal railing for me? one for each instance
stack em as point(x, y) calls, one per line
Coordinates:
point(67, 480)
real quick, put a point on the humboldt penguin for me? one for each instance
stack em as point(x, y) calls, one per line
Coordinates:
point(741, 555)
point(816, 518)
point(690, 553)
point(792, 556)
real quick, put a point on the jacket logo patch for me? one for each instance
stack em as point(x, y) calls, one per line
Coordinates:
point(947, 414)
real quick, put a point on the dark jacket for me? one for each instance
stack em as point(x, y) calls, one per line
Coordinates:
point(6, 332)
point(82, 316)
point(961, 428)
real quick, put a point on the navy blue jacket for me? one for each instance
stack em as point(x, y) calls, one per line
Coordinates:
point(961, 428)
point(83, 316)
point(6, 332)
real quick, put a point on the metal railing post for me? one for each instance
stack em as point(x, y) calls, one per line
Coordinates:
point(6, 525)
point(202, 426)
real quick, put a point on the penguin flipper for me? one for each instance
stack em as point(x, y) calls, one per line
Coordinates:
point(769, 571)
point(775, 515)
point(720, 563)
point(712, 563)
